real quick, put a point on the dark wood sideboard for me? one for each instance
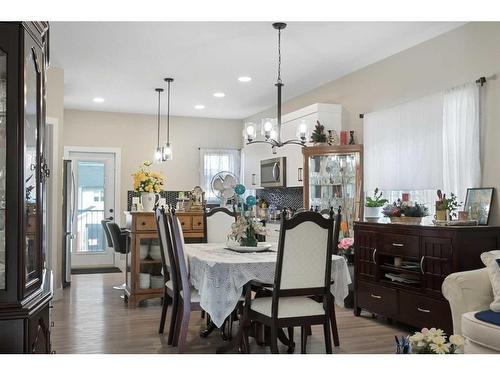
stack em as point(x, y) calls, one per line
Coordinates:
point(438, 251)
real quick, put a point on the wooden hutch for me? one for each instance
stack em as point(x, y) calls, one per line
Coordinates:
point(423, 254)
point(144, 239)
point(25, 284)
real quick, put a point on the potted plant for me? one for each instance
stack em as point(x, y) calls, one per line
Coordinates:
point(373, 205)
point(405, 212)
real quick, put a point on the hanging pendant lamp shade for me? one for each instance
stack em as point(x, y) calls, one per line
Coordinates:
point(167, 149)
point(158, 151)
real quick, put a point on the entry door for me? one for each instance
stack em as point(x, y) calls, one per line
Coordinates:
point(95, 200)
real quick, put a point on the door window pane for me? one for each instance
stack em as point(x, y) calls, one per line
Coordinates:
point(3, 143)
point(90, 212)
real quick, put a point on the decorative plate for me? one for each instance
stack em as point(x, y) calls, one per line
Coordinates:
point(261, 246)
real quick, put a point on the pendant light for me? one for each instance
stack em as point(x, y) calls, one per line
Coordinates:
point(167, 149)
point(270, 128)
point(158, 151)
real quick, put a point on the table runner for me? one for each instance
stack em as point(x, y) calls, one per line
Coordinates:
point(220, 274)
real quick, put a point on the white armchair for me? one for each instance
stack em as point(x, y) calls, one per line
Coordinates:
point(467, 293)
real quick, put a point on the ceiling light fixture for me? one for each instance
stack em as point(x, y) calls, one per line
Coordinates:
point(271, 129)
point(98, 100)
point(219, 94)
point(158, 150)
point(244, 79)
point(167, 149)
point(199, 106)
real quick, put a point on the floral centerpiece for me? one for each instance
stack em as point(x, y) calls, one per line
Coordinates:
point(346, 249)
point(405, 212)
point(434, 341)
point(245, 229)
point(148, 184)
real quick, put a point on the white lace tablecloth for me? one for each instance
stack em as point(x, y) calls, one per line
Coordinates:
point(219, 275)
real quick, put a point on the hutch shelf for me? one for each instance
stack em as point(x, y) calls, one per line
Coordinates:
point(25, 283)
point(399, 268)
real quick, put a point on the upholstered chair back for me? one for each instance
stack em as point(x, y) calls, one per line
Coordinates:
point(218, 224)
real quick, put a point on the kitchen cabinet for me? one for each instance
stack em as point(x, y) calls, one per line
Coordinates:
point(25, 283)
point(329, 115)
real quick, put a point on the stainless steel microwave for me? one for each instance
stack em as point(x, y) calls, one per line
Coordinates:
point(273, 172)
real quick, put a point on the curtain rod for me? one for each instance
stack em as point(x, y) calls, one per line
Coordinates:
point(480, 81)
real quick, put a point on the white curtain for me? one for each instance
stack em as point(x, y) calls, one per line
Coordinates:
point(213, 161)
point(403, 146)
point(461, 155)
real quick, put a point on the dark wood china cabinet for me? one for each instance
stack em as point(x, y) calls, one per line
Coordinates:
point(25, 284)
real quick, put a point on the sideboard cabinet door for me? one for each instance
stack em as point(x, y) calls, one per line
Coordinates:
point(436, 262)
point(366, 254)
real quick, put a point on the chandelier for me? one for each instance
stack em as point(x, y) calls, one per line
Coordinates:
point(270, 128)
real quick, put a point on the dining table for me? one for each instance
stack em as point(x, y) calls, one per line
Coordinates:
point(220, 274)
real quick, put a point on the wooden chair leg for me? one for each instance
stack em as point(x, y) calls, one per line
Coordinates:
point(186, 312)
point(173, 319)
point(164, 310)
point(333, 323)
point(303, 339)
point(178, 322)
point(202, 314)
point(291, 346)
point(274, 339)
point(328, 338)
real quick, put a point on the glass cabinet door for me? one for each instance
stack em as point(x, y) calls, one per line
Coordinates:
point(31, 164)
point(3, 144)
point(334, 181)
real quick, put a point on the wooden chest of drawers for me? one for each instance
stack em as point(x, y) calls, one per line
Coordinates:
point(428, 253)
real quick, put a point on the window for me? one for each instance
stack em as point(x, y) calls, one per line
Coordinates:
point(213, 161)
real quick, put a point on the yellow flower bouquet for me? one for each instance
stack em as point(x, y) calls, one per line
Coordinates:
point(146, 181)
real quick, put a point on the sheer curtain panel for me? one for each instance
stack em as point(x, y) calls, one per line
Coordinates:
point(213, 161)
point(461, 155)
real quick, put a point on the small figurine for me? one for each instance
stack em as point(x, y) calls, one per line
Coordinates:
point(351, 137)
point(333, 138)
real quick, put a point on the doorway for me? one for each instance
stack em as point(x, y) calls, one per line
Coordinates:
point(95, 200)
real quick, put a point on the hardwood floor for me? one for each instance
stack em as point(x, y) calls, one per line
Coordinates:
point(92, 318)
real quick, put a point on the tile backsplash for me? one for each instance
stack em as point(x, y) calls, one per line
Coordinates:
point(282, 197)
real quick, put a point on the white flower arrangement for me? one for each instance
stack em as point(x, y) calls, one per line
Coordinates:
point(244, 227)
point(433, 341)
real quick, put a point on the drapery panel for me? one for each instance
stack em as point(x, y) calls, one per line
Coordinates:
point(461, 148)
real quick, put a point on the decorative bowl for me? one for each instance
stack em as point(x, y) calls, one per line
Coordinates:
point(261, 246)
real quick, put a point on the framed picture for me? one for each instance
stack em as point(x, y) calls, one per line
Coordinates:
point(478, 204)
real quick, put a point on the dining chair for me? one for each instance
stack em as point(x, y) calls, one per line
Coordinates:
point(177, 289)
point(301, 291)
point(217, 223)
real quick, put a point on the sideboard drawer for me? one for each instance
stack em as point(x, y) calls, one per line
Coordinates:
point(378, 299)
point(401, 245)
point(197, 222)
point(186, 222)
point(145, 223)
point(422, 311)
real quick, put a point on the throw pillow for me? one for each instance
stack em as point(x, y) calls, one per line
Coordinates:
point(491, 260)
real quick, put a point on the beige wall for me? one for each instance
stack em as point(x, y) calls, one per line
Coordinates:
point(458, 56)
point(55, 111)
point(135, 135)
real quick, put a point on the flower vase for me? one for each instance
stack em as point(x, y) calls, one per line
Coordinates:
point(149, 200)
point(372, 213)
point(251, 239)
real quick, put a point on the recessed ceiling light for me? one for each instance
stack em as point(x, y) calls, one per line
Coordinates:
point(199, 106)
point(98, 100)
point(219, 94)
point(244, 79)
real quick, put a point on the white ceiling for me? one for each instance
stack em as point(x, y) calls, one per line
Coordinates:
point(124, 61)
